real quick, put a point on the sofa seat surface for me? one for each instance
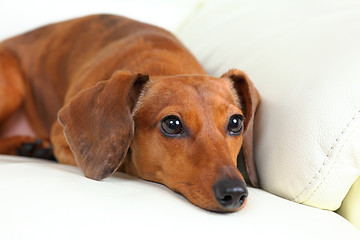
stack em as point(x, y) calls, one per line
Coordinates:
point(47, 200)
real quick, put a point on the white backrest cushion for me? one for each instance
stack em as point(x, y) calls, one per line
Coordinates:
point(304, 58)
point(18, 16)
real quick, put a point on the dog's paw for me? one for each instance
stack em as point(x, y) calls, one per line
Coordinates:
point(36, 149)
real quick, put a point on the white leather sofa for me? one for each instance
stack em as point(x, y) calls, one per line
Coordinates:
point(304, 58)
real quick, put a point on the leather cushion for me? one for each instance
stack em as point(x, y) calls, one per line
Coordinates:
point(304, 58)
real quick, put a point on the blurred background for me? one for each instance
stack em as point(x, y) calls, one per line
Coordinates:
point(17, 16)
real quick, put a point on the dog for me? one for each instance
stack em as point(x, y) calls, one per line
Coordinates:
point(108, 93)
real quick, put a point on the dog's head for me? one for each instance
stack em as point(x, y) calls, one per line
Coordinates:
point(183, 131)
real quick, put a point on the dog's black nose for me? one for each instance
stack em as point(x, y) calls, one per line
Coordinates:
point(230, 193)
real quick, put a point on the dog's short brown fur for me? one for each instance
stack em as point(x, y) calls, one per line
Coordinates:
point(111, 82)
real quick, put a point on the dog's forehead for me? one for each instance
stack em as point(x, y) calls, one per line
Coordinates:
point(195, 93)
point(183, 88)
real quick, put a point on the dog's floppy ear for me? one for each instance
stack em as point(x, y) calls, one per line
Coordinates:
point(249, 99)
point(98, 124)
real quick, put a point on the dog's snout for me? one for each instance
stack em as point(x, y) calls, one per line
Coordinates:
point(230, 193)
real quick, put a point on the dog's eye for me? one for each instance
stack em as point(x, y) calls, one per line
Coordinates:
point(235, 124)
point(171, 125)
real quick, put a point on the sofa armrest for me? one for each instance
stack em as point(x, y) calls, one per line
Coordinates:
point(350, 208)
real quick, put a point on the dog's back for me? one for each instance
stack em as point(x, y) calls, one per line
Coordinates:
point(68, 45)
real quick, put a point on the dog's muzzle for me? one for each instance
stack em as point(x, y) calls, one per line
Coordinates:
point(230, 193)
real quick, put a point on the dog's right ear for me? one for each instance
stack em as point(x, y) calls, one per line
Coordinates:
point(250, 100)
point(98, 123)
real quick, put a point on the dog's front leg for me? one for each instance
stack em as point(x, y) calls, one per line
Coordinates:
point(61, 148)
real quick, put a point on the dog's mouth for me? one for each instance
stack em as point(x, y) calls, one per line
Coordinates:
point(227, 195)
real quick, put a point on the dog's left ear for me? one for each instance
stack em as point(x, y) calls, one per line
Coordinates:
point(98, 123)
point(249, 100)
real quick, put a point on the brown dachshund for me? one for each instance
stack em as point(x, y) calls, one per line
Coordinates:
point(108, 93)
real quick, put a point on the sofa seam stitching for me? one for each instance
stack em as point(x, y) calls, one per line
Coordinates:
point(327, 157)
point(335, 160)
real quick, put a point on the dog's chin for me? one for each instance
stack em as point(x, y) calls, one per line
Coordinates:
point(226, 210)
point(220, 209)
point(198, 197)
point(207, 203)
point(217, 208)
